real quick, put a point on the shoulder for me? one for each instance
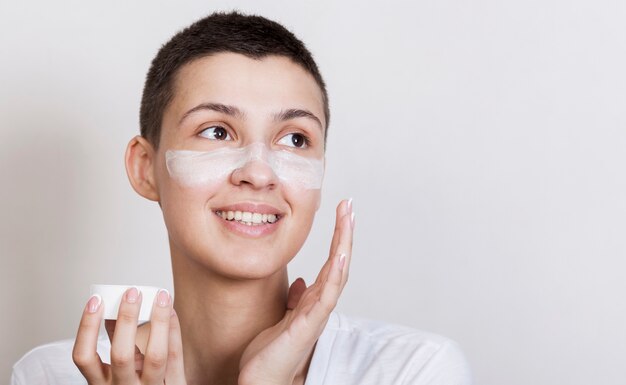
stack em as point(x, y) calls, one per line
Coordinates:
point(361, 351)
point(51, 364)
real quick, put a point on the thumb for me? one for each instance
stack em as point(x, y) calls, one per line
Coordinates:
point(295, 293)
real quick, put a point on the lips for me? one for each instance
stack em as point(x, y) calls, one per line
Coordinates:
point(250, 219)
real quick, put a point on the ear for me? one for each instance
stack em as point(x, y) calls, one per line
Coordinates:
point(140, 167)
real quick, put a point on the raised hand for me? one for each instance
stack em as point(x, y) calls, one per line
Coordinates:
point(163, 359)
point(280, 355)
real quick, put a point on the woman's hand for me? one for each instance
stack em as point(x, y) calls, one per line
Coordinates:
point(280, 355)
point(163, 361)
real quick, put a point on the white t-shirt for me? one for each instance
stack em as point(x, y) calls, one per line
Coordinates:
point(350, 351)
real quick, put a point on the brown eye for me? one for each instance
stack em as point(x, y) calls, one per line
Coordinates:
point(294, 140)
point(215, 133)
point(297, 140)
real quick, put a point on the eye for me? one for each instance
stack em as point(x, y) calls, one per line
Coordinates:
point(215, 133)
point(294, 140)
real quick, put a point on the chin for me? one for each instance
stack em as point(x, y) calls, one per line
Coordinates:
point(252, 266)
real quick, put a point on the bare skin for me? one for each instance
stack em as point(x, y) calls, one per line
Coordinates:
point(236, 320)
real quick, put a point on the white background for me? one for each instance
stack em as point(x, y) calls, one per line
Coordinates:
point(483, 142)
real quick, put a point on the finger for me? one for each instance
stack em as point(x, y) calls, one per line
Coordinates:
point(337, 275)
point(344, 246)
point(109, 325)
point(343, 208)
point(342, 224)
point(339, 214)
point(157, 351)
point(175, 370)
point(123, 343)
point(319, 313)
point(85, 354)
point(295, 293)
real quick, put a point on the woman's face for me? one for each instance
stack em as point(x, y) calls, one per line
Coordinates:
point(249, 123)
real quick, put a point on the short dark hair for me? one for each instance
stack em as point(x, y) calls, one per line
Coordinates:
point(253, 36)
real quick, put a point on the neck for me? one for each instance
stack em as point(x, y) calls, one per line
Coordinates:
point(219, 317)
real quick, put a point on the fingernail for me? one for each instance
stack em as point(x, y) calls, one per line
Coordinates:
point(163, 298)
point(350, 204)
point(342, 261)
point(352, 220)
point(132, 295)
point(94, 303)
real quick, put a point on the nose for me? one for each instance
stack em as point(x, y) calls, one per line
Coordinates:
point(256, 172)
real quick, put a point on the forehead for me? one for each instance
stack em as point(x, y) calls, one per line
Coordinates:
point(259, 87)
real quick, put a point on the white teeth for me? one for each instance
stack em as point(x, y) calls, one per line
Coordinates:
point(247, 217)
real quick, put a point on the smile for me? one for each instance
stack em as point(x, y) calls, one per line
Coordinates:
point(248, 218)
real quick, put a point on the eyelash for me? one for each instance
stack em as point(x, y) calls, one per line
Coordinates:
point(215, 126)
point(307, 140)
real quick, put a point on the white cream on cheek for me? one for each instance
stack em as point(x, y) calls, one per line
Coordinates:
point(205, 168)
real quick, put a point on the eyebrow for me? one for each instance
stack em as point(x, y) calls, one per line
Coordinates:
point(288, 114)
point(293, 113)
point(217, 107)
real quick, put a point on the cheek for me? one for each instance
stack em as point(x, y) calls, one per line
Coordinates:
point(197, 170)
point(183, 195)
point(180, 207)
point(298, 172)
point(305, 204)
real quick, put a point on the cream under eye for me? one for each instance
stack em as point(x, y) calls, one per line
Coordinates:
point(208, 168)
point(215, 133)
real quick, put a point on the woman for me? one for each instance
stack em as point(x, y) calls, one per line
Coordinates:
point(234, 119)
